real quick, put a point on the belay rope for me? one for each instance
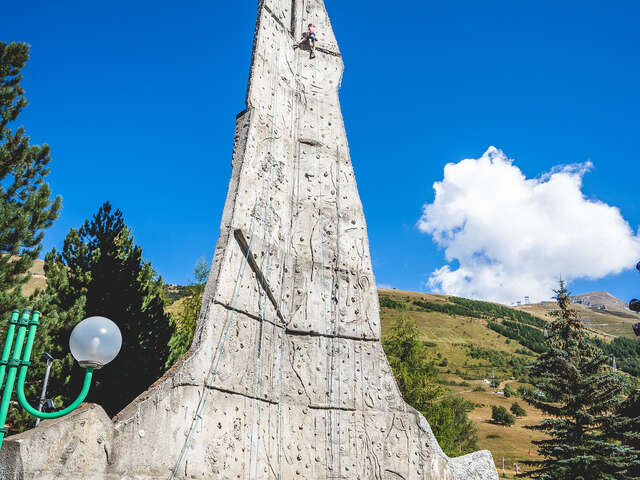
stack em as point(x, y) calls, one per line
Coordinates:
point(230, 317)
point(216, 359)
point(266, 217)
point(331, 333)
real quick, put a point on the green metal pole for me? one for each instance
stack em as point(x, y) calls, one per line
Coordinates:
point(24, 365)
point(8, 343)
point(32, 321)
point(60, 413)
point(11, 376)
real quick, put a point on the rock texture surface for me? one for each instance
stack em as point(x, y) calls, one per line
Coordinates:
point(286, 377)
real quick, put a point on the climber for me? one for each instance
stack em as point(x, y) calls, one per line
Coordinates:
point(309, 36)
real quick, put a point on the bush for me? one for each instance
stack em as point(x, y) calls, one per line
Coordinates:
point(479, 388)
point(456, 433)
point(501, 416)
point(388, 302)
point(508, 391)
point(517, 410)
point(493, 435)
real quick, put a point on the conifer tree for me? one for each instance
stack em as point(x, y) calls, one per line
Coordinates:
point(414, 371)
point(627, 430)
point(26, 208)
point(581, 398)
point(100, 271)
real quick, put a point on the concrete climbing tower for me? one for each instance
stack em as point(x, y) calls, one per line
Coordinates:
point(286, 377)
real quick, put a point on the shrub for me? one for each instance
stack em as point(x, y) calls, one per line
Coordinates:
point(525, 391)
point(517, 410)
point(388, 302)
point(508, 391)
point(501, 416)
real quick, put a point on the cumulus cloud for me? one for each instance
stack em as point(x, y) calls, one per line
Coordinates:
point(506, 236)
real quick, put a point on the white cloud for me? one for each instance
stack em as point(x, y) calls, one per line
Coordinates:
point(509, 236)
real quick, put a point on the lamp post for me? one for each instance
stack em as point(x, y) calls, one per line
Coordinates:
point(94, 342)
point(49, 359)
point(634, 305)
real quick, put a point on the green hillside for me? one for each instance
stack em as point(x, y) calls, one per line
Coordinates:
point(472, 340)
point(467, 353)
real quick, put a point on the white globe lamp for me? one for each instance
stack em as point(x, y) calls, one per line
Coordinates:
point(95, 341)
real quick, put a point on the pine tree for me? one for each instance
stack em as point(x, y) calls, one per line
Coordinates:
point(581, 396)
point(627, 430)
point(100, 271)
point(26, 209)
point(414, 371)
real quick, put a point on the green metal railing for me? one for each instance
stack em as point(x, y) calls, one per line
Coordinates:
point(18, 364)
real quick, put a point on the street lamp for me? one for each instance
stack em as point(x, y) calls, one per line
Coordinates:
point(43, 396)
point(94, 342)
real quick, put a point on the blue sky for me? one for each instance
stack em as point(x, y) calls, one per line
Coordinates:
point(138, 100)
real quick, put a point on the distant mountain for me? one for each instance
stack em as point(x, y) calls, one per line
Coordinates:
point(602, 301)
point(600, 311)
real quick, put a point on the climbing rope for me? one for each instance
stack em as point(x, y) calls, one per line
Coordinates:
point(216, 360)
point(330, 434)
point(336, 302)
point(256, 421)
point(295, 121)
point(257, 381)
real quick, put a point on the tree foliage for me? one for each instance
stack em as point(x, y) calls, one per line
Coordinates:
point(415, 372)
point(508, 391)
point(100, 271)
point(517, 410)
point(416, 376)
point(26, 208)
point(628, 431)
point(581, 420)
point(501, 416)
point(185, 321)
point(450, 422)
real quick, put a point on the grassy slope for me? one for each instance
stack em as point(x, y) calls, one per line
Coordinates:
point(450, 335)
point(37, 279)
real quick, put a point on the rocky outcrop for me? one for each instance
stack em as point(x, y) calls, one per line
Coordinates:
point(286, 377)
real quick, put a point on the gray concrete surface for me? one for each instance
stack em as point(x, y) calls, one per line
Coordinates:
point(286, 377)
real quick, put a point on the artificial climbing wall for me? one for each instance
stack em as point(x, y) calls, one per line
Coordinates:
point(286, 377)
